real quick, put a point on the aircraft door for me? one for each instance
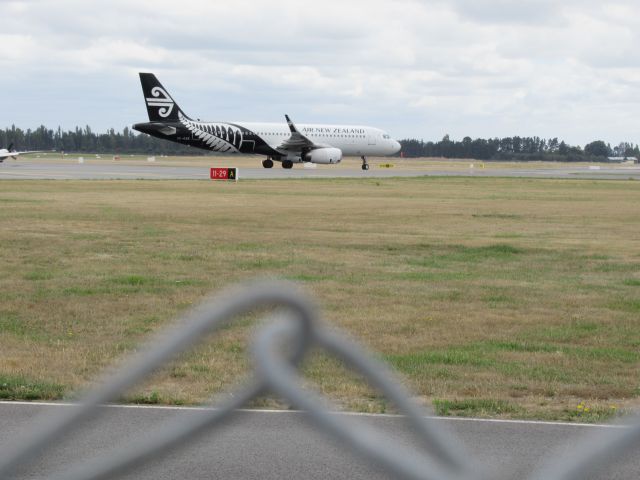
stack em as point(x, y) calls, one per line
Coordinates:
point(372, 139)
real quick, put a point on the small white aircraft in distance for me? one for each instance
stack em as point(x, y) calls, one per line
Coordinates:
point(10, 152)
point(281, 142)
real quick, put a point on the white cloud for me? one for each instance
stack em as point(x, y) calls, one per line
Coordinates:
point(415, 68)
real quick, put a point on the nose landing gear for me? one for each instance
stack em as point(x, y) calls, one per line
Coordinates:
point(365, 165)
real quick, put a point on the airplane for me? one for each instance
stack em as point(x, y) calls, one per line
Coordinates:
point(10, 152)
point(285, 143)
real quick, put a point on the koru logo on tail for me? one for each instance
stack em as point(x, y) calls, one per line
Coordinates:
point(161, 99)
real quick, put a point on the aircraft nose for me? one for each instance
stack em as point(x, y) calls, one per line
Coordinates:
point(396, 146)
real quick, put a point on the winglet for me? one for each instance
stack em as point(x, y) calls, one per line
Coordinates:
point(292, 127)
point(10, 149)
point(297, 141)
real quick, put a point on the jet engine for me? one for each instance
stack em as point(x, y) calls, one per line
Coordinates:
point(323, 155)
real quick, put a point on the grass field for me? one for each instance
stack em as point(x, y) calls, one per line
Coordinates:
point(497, 297)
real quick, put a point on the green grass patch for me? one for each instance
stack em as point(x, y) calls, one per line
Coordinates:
point(486, 355)
point(585, 413)
point(151, 231)
point(593, 353)
point(200, 369)
point(616, 267)
point(495, 345)
point(607, 354)
point(419, 361)
point(85, 291)
point(150, 398)
point(508, 236)
point(190, 257)
point(12, 323)
point(500, 250)
point(501, 216)
point(448, 296)
point(21, 388)
point(437, 276)
point(474, 407)
point(37, 275)
point(134, 280)
point(631, 305)
point(307, 277)
point(536, 372)
point(497, 300)
point(440, 256)
point(20, 200)
point(264, 264)
point(128, 284)
point(566, 333)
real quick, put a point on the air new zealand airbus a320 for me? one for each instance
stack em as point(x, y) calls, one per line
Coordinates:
point(284, 143)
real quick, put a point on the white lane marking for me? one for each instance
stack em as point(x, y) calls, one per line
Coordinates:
point(352, 414)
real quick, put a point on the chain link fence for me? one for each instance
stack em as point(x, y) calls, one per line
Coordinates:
point(277, 351)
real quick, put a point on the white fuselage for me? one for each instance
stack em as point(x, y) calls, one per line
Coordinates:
point(352, 140)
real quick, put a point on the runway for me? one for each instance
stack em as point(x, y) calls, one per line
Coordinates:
point(281, 444)
point(157, 171)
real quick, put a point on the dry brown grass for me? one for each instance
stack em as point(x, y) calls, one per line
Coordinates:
point(520, 292)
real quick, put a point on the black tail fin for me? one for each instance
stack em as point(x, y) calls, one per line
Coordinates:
point(160, 106)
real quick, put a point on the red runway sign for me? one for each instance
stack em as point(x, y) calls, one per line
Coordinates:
point(224, 174)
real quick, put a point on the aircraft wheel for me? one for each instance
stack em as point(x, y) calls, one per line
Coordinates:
point(287, 164)
point(268, 163)
point(365, 166)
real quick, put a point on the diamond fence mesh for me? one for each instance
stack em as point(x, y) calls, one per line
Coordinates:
point(277, 351)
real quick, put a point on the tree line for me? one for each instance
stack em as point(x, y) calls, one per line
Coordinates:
point(517, 148)
point(84, 140)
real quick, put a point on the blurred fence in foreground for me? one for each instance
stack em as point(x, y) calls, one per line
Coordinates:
point(277, 350)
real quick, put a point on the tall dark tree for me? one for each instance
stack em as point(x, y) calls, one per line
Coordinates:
point(597, 149)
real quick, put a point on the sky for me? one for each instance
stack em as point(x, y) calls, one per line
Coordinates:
point(418, 69)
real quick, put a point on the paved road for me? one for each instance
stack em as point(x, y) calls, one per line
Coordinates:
point(275, 445)
point(49, 170)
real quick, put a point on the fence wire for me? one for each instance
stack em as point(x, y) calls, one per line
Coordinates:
point(277, 351)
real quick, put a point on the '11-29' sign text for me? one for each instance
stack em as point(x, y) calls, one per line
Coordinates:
point(224, 174)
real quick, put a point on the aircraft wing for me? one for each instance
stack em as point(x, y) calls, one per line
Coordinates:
point(10, 152)
point(4, 154)
point(297, 142)
point(30, 151)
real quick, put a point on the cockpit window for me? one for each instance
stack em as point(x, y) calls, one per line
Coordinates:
point(386, 137)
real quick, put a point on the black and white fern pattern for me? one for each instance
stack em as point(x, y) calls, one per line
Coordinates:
point(219, 137)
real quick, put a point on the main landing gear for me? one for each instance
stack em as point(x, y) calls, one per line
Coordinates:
point(268, 163)
point(365, 165)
